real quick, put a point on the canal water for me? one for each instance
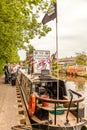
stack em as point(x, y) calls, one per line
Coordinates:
point(79, 84)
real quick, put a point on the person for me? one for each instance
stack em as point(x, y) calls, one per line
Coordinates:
point(9, 70)
point(6, 72)
point(13, 74)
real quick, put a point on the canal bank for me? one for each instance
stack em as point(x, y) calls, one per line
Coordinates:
point(13, 114)
point(8, 106)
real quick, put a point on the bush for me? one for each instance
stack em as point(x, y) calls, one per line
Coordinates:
point(2, 63)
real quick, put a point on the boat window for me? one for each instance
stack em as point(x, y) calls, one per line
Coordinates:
point(43, 84)
point(33, 88)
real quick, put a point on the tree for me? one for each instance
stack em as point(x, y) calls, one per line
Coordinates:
point(19, 23)
point(81, 58)
point(29, 51)
point(54, 61)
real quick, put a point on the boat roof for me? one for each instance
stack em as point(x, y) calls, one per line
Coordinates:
point(42, 78)
point(38, 78)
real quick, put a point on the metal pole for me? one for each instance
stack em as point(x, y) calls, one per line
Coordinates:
point(57, 46)
point(55, 115)
point(56, 29)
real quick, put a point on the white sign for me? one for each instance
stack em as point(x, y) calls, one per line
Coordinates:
point(41, 60)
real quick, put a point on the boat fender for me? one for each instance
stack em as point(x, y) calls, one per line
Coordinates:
point(32, 104)
point(45, 104)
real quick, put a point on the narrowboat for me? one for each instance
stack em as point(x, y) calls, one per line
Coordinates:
point(50, 106)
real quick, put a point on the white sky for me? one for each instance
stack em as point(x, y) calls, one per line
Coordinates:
point(72, 30)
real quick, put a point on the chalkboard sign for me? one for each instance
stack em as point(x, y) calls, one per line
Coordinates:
point(45, 72)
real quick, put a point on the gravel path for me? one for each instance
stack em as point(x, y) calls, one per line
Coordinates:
point(8, 106)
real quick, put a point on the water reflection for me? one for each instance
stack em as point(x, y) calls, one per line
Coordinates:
point(78, 84)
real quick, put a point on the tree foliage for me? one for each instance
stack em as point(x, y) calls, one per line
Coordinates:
point(81, 58)
point(19, 23)
point(30, 49)
point(29, 55)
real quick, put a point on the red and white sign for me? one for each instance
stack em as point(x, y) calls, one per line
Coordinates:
point(41, 60)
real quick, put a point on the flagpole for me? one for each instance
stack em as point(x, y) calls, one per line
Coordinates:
point(57, 46)
point(56, 29)
point(50, 15)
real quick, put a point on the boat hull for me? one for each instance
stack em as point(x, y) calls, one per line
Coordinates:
point(43, 119)
point(44, 125)
point(48, 127)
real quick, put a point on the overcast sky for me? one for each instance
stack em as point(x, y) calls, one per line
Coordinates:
point(72, 30)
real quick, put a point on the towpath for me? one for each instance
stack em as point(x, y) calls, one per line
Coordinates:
point(8, 106)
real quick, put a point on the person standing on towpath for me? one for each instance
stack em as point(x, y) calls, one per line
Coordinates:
point(6, 72)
